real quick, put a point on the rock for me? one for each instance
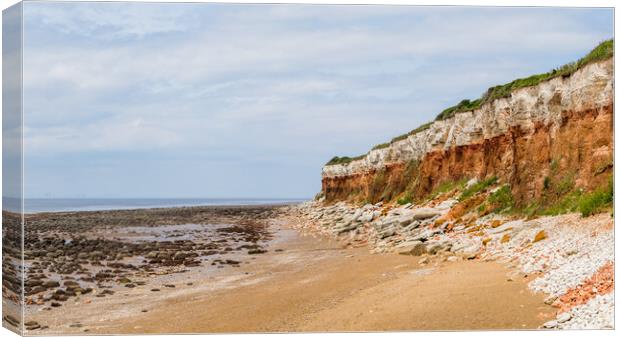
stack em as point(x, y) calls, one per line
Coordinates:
point(179, 256)
point(71, 284)
point(571, 252)
point(424, 260)
point(425, 213)
point(468, 248)
point(415, 248)
point(446, 204)
point(550, 324)
point(505, 238)
point(32, 325)
point(495, 223)
point(33, 282)
point(540, 236)
point(405, 220)
point(11, 320)
point(471, 182)
point(413, 225)
point(36, 290)
point(367, 217)
point(51, 284)
point(549, 300)
point(387, 233)
point(513, 275)
point(346, 227)
point(563, 317)
point(436, 247)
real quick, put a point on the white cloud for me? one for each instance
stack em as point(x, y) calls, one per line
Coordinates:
point(113, 20)
point(109, 135)
point(354, 73)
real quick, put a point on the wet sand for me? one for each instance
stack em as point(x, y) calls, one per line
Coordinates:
point(311, 284)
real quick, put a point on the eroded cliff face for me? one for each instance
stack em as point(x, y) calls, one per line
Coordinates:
point(563, 126)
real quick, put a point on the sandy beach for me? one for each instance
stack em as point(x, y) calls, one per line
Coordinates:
point(292, 281)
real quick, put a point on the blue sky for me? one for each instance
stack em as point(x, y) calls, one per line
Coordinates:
point(221, 100)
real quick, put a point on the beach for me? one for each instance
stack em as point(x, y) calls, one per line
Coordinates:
point(249, 269)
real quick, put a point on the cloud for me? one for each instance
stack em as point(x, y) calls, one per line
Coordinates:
point(270, 82)
point(109, 135)
point(107, 21)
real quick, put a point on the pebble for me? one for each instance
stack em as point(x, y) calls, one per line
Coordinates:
point(563, 317)
point(565, 256)
point(550, 324)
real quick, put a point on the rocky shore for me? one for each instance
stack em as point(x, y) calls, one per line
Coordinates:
point(80, 256)
point(128, 263)
point(568, 258)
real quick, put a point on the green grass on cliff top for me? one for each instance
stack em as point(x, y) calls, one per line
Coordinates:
point(603, 51)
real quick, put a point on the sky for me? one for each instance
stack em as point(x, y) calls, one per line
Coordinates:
point(181, 100)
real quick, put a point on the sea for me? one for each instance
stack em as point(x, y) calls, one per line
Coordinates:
point(39, 205)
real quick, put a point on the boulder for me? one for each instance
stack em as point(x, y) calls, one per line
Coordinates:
point(468, 248)
point(366, 217)
point(415, 248)
point(346, 227)
point(387, 233)
point(51, 284)
point(412, 225)
point(424, 213)
point(438, 246)
point(36, 290)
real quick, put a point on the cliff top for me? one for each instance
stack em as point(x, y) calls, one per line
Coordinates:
point(601, 52)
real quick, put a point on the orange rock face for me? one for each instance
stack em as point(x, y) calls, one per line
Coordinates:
point(579, 146)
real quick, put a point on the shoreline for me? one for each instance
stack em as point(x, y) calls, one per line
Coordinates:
point(206, 269)
point(146, 208)
point(301, 285)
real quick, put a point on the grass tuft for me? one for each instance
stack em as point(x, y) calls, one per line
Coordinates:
point(601, 52)
point(600, 199)
point(477, 187)
point(407, 199)
point(343, 160)
point(447, 186)
point(501, 199)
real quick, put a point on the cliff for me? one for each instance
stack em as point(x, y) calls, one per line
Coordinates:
point(558, 129)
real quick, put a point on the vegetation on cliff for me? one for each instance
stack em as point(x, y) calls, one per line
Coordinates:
point(570, 199)
point(343, 160)
point(560, 198)
point(603, 51)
